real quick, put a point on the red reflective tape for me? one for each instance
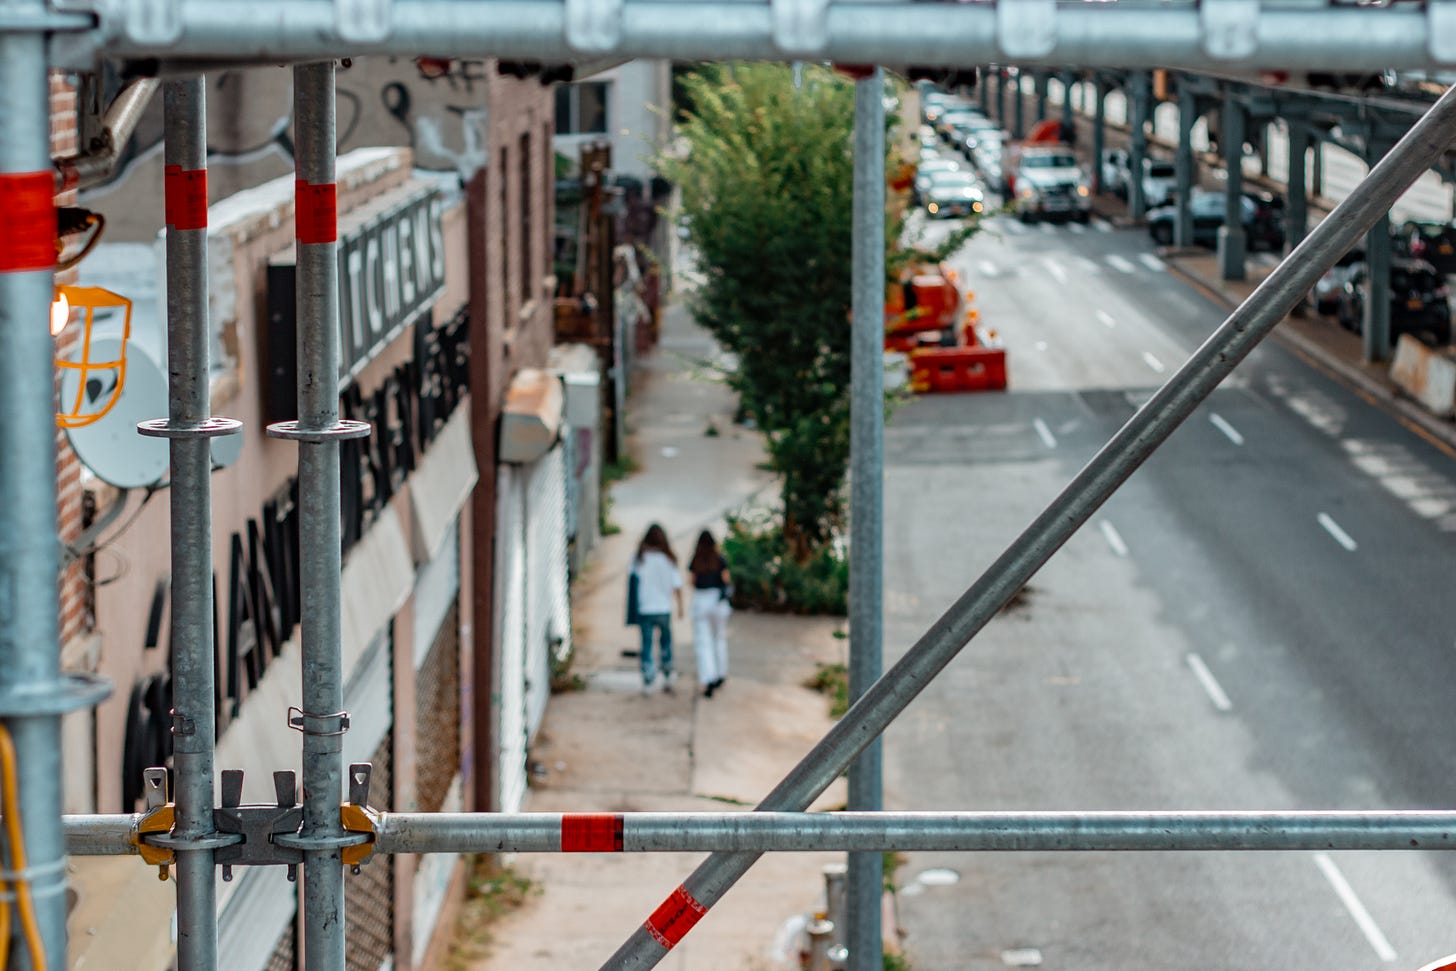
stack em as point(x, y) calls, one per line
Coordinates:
point(185, 195)
point(28, 205)
point(316, 212)
point(672, 920)
point(591, 833)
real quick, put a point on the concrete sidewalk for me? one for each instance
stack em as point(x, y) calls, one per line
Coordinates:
point(1319, 340)
point(606, 748)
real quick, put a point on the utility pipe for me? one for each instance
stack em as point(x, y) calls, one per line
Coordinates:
point(1421, 147)
point(118, 124)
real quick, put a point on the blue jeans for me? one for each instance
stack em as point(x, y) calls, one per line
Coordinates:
point(647, 623)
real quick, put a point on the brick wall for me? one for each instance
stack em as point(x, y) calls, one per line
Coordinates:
point(76, 611)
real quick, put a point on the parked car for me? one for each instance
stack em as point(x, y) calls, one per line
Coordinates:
point(1431, 241)
point(926, 172)
point(1160, 180)
point(947, 123)
point(966, 135)
point(1263, 218)
point(954, 194)
point(1326, 293)
point(1419, 300)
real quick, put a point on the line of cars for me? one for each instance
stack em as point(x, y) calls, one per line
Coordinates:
point(946, 184)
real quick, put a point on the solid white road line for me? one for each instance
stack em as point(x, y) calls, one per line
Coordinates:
point(1152, 362)
point(1341, 537)
point(1226, 428)
point(1102, 225)
point(1152, 262)
point(1114, 539)
point(1357, 910)
point(1045, 433)
point(1119, 263)
point(1210, 684)
point(1106, 319)
point(1055, 269)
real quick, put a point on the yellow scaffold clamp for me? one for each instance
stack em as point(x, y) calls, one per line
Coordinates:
point(158, 819)
point(356, 817)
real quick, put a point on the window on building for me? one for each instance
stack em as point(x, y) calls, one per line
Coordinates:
point(527, 257)
point(581, 109)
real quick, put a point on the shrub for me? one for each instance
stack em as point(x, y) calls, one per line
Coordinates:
point(766, 577)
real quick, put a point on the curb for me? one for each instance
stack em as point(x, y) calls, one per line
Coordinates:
point(1441, 433)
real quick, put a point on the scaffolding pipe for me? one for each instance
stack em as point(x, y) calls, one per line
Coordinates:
point(29, 547)
point(119, 123)
point(949, 35)
point(759, 832)
point(1421, 148)
point(322, 720)
point(193, 655)
point(109, 834)
point(867, 499)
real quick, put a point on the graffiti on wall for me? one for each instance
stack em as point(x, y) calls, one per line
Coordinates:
point(437, 108)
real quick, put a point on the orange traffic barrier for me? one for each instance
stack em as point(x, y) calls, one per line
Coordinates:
point(943, 369)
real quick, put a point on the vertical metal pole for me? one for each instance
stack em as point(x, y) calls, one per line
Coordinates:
point(193, 722)
point(1296, 214)
point(1183, 166)
point(1068, 81)
point(1232, 243)
point(1375, 322)
point(1138, 144)
point(318, 492)
point(1018, 106)
point(29, 547)
point(983, 82)
point(1039, 83)
point(866, 503)
point(1001, 95)
point(1099, 131)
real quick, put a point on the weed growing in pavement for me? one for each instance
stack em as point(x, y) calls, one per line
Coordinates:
point(831, 680)
point(492, 890)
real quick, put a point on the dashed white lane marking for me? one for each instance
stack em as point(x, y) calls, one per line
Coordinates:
point(1016, 226)
point(1047, 228)
point(1087, 263)
point(1152, 362)
point(1152, 262)
point(1357, 910)
point(1045, 433)
point(1055, 269)
point(1114, 538)
point(1119, 263)
point(1333, 528)
point(1077, 228)
point(1210, 684)
point(1106, 319)
point(1226, 428)
point(1102, 225)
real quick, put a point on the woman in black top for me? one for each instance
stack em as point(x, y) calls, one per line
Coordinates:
point(711, 591)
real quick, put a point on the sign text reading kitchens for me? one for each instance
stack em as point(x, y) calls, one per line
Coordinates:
point(391, 267)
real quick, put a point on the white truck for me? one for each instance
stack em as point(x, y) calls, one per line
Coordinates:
point(1042, 179)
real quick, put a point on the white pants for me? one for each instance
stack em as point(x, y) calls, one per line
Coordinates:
point(710, 635)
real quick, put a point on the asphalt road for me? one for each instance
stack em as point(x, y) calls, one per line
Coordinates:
point(1260, 619)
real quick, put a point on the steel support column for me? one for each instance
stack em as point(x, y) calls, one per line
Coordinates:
point(1148, 428)
point(1018, 106)
point(1138, 95)
point(1068, 80)
point(1232, 242)
point(1375, 314)
point(1296, 212)
point(983, 93)
point(1039, 83)
point(1099, 131)
point(1183, 165)
point(866, 505)
point(1001, 96)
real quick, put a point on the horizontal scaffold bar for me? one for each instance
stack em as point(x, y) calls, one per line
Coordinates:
point(891, 33)
point(809, 832)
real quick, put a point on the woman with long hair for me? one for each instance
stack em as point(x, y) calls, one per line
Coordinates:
point(711, 590)
point(657, 585)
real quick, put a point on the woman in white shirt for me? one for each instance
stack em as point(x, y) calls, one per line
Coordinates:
point(659, 592)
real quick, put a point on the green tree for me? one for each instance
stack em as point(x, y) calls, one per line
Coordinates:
point(767, 196)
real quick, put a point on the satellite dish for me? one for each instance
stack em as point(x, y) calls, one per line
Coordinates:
point(111, 447)
point(226, 449)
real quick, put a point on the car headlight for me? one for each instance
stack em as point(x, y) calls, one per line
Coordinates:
point(1026, 192)
point(933, 208)
point(1082, 190)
